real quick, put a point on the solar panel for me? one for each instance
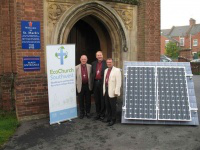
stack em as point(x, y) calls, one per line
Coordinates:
point(173, 101)
point(159, 93)
point(141, 93)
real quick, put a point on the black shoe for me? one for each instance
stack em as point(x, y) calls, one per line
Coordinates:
point(97, 118)
point(106, 121)
point(88, 115)
point(81, 116)
point(111, 123)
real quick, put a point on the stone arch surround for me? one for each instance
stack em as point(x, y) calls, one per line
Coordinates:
point(109, 18)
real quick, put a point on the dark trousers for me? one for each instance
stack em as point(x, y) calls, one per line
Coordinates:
point(99, 99)
point(110, 106)
point(84, 99)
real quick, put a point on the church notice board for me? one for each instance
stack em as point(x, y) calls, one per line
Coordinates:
point(30, 34)
point(61, 82)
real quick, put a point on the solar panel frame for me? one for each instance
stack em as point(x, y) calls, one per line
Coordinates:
point(192, 97)
point(185, 78)
point(125, 107)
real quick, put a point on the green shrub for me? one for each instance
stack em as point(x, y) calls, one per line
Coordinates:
point(172, 50)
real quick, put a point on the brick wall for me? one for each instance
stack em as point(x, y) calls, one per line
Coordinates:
point(13, 35)
point(31, 95)
point(30, 87)
point(7, 40)
point(185, 54)
point(149, 30)
point(6, 36)
point(25, 90)
point(141, 31)
point(31, 11)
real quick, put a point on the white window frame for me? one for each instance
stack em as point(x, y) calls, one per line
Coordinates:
point(166, 42)
point(195, 42)
point(182, 41)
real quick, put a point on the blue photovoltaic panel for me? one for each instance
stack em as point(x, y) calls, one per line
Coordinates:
point(173, 101)
point(140, 93)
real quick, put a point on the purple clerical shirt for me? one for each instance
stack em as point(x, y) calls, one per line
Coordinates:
point(107, 76)
point(84, 74)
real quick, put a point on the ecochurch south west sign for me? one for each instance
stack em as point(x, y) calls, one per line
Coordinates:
point(61, 82)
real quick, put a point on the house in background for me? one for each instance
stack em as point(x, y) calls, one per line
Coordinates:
point(187, 37)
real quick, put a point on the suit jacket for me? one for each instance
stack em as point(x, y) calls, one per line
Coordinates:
point(79, 77)
point(114, 82)
point(94, 64)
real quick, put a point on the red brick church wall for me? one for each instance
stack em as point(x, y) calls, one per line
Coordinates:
point(149, 30)
point(7, 54)
point(26, 90)
point(30, 87)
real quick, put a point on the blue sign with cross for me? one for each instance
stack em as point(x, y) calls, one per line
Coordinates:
point(30, 34)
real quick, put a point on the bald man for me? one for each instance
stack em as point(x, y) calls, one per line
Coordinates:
point(98, 68)
point(84, 87)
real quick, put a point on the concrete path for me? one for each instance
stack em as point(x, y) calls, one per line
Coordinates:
point(95, 135)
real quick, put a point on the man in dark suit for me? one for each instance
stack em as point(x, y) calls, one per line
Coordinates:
point(98, 68)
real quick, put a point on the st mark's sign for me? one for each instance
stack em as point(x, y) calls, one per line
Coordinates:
point(30, 34)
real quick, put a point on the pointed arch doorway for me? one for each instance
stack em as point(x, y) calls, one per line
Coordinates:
point(90, 35)
point(105, 28)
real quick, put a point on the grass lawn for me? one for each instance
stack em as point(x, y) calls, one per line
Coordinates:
point(8, 125)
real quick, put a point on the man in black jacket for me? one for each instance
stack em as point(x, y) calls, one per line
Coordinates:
point(98, 68)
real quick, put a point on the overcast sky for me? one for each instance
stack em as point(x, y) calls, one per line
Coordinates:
point(179, 12)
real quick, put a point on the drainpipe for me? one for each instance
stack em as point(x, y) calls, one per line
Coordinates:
point(12, 74)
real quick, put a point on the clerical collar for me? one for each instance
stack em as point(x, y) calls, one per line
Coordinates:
point(83, 65)
point(110, 68)
point(100, 61)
